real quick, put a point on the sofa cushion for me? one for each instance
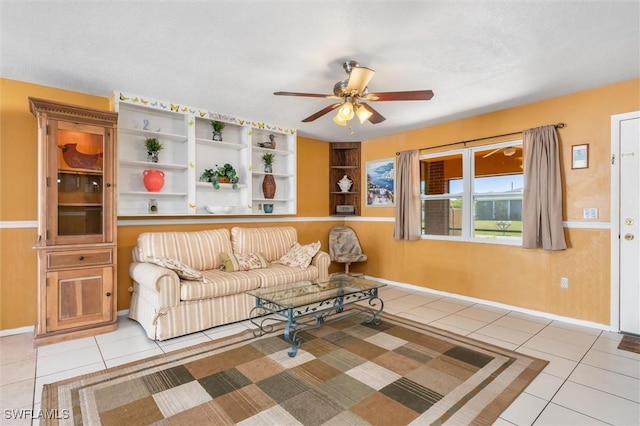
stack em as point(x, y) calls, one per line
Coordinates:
point(200, 250)
point(242, 262)
point(218, 283)
point(273, 242)
point(281, 274)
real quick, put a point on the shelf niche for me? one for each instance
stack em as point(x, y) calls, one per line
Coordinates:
point(344, 159)
point(188, 150)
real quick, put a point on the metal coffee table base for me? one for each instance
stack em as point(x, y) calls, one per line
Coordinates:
point(308, 317)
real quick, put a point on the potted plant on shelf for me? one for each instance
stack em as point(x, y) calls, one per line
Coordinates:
point(153, 146)
point(207, 175)
point(267, 159)
point(217, 127)
point(222, 174)
point(268, 182)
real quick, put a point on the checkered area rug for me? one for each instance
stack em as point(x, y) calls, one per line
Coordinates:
point(395, 373)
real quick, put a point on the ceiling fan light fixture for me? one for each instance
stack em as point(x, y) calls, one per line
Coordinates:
point(346, 111)
point(339, 120)
point(363, 113)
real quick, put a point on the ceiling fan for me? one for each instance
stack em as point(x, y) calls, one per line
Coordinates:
point(352, 92)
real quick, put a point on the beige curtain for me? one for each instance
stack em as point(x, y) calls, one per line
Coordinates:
point(542, 195)
point(407, 195)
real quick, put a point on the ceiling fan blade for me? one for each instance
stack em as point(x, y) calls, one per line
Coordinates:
point(309, 95)
point(415, 95)
point(322, 112)
point(358, 79)
point(491, 153)
point(376, 117)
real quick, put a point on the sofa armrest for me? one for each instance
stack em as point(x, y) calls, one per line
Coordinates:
point(322, 261)
point(162, 282)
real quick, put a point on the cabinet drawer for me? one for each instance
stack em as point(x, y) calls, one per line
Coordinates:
point(79, 258)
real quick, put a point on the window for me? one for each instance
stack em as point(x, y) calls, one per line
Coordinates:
point(473, 194)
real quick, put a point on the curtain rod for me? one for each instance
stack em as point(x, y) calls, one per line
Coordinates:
point(557, 126)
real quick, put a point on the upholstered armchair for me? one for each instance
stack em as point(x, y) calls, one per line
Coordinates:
point(344, 247)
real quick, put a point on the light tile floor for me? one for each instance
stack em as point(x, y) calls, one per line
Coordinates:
point(587, 382)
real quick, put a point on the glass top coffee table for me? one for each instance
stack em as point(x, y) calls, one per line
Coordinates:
point(309, 304)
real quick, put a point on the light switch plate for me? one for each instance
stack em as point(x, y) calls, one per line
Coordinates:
point(590, 213)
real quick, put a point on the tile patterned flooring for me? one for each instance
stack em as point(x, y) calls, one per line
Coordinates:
point(587, 382)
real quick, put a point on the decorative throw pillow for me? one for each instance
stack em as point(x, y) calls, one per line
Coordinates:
point(242, 262)
point(312, 249)
point(299, 256)
point(184, 271)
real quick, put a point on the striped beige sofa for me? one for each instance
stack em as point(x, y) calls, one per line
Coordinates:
point(168, 306)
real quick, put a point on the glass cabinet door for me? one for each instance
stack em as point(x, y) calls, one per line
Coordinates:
point(76, 163)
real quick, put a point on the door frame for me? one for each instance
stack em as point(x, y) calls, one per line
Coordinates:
point(615, 215)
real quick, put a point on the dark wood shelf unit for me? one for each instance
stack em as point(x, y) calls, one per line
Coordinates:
point(344, 159)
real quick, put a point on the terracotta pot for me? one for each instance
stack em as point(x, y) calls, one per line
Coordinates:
point(153, 180)
point(269, 186)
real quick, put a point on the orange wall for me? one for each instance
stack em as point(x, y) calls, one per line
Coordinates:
point(507, 274)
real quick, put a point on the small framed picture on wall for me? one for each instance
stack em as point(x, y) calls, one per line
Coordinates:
point(580, 156)
point(381, 178)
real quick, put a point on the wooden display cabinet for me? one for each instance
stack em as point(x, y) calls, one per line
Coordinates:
point(76, 221)
point(344, 159)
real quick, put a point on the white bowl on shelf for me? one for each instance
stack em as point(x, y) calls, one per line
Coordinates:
point(213, 209)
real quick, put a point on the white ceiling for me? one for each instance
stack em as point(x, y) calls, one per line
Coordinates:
point(230, 56)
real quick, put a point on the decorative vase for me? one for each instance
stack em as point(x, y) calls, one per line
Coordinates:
point(268, 168)
point(153, 180)
point(152, 156)
point(217, 136)
point(269, 186)
point(153, 206)
point(268, 208)
point(345, 184)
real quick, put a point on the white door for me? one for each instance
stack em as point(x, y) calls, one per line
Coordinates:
point(626, 225)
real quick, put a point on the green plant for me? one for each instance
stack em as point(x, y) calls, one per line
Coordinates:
point(217, 125)
point(268, 158)
point(225, 170)
point(207, 175)
point(153, 145)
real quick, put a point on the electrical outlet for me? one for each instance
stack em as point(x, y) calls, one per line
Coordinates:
point(564, 282)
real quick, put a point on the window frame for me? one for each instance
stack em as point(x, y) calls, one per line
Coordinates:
point(468, 195)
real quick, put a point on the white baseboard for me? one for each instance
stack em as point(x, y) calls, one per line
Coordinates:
point(21, 330)
point(540, 314)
